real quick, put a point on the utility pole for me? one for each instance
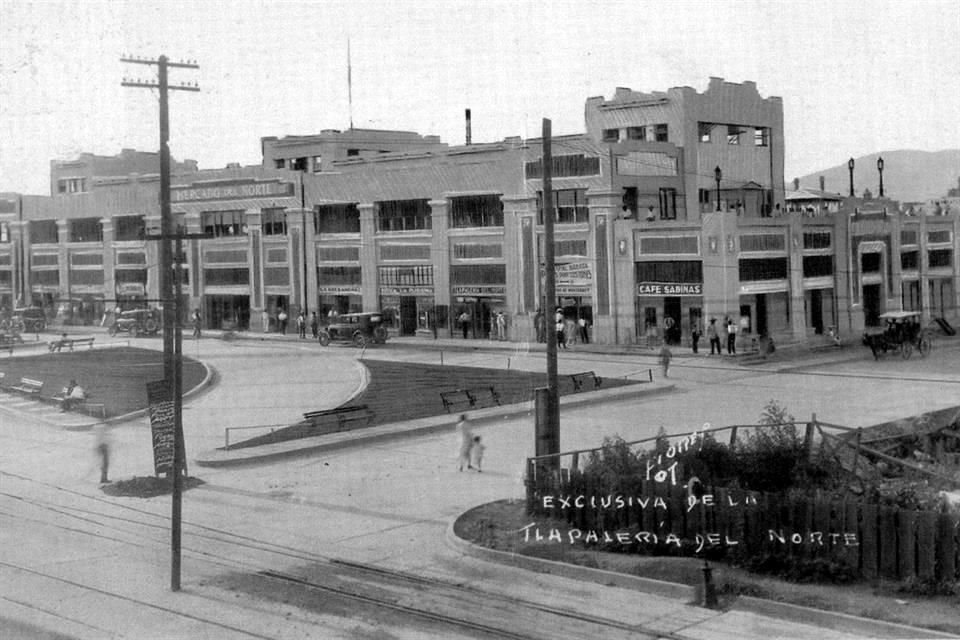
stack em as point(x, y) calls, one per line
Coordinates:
point(548, 400)
point(172, 338)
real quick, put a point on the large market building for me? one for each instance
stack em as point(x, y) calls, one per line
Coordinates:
point(670, 210)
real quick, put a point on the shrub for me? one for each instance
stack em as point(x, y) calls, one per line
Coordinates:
point(799, 569)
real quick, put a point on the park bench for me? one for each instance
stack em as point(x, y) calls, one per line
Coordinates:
point(464, 399)
point(58, 345)
point(341, 416)
point(589, 378)
point(29, 386)
point(10, 339)
point(85, 406)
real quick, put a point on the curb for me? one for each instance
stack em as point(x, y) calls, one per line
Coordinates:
point(780, 610)
point(417, 427)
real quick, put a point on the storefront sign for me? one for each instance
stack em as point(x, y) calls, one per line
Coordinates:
point(480, 290)
point(572, 278)
point(338, 290)
point(232, 191)
point(131, 289)
point(406, 291)
point(669, 289)
point(160, 409)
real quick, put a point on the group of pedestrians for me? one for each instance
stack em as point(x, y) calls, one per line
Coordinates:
point(730, 329)
point(569, 331)
point(471, 449)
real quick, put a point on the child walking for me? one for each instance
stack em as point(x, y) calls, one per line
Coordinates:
point(476, 453)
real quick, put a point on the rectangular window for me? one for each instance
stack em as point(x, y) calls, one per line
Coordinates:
point(86, 230)
point(46, 260)
point(733, 134)
point(4, 232)
point(938, 236)
point(752, 269)
point(660, 132)
point(338, 276)
point(45, 278)
point(565, 166)
point(668, 203)
point(478, 274)
point(86, 277)
point(816, 240)
point(762, 242)
point(686, 271)
point(476, 211)
point(761, 137)
point(909, 260)
point(908, 236)
point(226, 277)
point(223, 224)
point(240, 256)
point(637, 133)
point(403, 215)
point(817, 266)
point(704, 129)
point(274, 222)
point(405, 252)
point(298, 164)
point(276, 276)
point(336, 218)
point(570, 206)
point(317, 164)
point(123, 276)
point(353, 153)
point(569, 248)
point(940, 257)
point(467, 251)
point(660, 245)
point(870, 263)
point(414, 276)
point(338, 254)
point(279, 163)
point(129, 228)
point(43, 231)
point(71, 185)
point(277, 255)
point(86, 259)
point(611, 135)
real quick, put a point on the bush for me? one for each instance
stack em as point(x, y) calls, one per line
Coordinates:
point(799, 569)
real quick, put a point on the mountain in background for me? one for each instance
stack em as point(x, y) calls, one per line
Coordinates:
point(908, 176)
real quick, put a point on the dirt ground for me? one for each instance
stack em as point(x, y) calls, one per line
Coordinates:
point(498, 525)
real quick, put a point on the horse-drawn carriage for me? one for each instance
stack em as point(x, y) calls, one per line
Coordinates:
point(902, 333)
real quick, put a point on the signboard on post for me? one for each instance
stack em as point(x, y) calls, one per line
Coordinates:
point(160, 410)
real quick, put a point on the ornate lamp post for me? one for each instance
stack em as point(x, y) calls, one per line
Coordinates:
point(880, 169)
point(717, 174)
point(850, 167)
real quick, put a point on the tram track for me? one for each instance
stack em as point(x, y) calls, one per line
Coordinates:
point(426, 599)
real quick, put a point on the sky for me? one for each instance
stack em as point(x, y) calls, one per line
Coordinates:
point(856, 77)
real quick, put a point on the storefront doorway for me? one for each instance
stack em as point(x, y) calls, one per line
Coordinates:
point(762, 326)
point(408, 315)
point(816, 310)
point(227, 312)
point(672, 332)
point(871, 305)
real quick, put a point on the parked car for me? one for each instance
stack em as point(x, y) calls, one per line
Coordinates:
point(28, 319)
point(136, 322)
point(358, 328)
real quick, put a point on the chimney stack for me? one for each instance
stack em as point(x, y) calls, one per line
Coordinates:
point(823, 182)
point(469, 135)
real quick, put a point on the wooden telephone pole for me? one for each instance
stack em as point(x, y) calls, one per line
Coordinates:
point(172, 338)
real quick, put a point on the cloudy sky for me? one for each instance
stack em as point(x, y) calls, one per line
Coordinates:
point(855, 76)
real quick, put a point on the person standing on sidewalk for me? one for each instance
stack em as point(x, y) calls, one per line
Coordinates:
point(695, 335)
point(714, 337)
point(464, 320)
point(665, 357)
point(466, 442)
point(301, 326)
point(731, 337)
point(314, 324)
point(476, 454)
point(196, 323)
point(102, 449)
point(282, 321)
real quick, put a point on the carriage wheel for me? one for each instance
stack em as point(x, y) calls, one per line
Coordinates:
point(324, 338)
point(924, 345)
point(906, 350)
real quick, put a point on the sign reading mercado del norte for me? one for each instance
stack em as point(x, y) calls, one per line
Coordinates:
point(232, 191)
point(670, 289)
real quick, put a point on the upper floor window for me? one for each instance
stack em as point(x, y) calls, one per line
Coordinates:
point(86, 230)
point(43, 231)
point(352, 153)
point(317, 164)
point(4, 232)
point(274, 222)
point(298, 164)
point(127, 228)
point(668, 203)
point(733, 134)
point(611, 135)
point(660, 132)
point(336, 218)
point(279, 163)
point(570, 206)
point(567, 165)
point(636, 133)
point(71, 185)
point(704, 129)
point(761, 137)
point(476, 211)
point(223, 224)
point(403, 215)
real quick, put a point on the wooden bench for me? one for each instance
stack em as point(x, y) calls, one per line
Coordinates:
point(464, 399)
point(10, 339)
point(589, 378)
point(341, 416)
point(29, 386)
point(58, 345)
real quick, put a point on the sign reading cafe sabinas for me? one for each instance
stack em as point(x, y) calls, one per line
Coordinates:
point(669, 289)
point(232, 191)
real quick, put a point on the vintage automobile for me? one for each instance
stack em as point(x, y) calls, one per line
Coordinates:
point(137, 322)
point(359, 328)
point(902, 333)
point(27, 319)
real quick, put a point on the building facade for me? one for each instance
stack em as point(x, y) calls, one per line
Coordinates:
point(670, 210)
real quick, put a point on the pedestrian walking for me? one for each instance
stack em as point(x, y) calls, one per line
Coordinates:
point(476, 454)
point(196, 323)
point(282, 321)
point(540, 326)
point(466, 442)
point(265, 319)
point(464, 320)
point(102, 449)
point(314, 324)
point(714, 337)
point(665, 357)
point(584, 326)
point(695, 335)
point(501, 326)
point(301, 326)
point(731, 337)
point(561, 340)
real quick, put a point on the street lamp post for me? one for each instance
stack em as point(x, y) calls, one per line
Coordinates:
point(717, 174)
point(850, 164)
point(880, 169)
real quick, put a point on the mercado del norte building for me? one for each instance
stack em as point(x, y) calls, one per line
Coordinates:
point(670, 210)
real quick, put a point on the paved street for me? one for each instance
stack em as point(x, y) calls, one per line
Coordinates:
point(268, 547)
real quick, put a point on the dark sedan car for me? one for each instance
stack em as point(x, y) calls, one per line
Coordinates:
point(358, 328)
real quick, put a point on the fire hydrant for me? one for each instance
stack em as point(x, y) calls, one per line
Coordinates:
point(709, 589)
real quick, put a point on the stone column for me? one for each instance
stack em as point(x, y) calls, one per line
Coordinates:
point(798, 319)
point(310, 258)
point(440, 258)
point(368, 258)
point(522, 264)
point(254, 220)
point(605, 207)
point(109, 263)
point(152, 249)
point(923, 265)
point(63, 259)
point(295, 259)
point(193, 249)
point(20, 258)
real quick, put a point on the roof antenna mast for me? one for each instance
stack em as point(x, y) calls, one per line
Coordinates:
point(349, 84)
